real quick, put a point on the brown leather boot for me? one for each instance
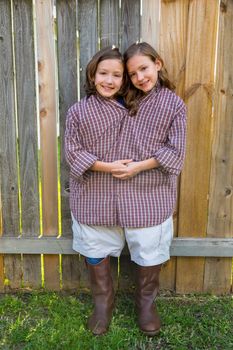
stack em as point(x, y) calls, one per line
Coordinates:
point(103, 296)
point(147, 286)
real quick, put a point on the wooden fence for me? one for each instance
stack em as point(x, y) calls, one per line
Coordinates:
point(44, 48)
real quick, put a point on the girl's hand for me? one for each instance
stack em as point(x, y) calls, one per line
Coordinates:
point(106, 167)
point(120, 164)
point(126, 171)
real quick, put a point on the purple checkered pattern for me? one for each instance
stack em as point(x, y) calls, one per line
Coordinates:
point(101, 129)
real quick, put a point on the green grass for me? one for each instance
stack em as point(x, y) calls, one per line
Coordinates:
point(42, 320)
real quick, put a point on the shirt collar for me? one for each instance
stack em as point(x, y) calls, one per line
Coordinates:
point(109, 101)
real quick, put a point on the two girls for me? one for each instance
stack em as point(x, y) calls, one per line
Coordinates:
point(125, 147)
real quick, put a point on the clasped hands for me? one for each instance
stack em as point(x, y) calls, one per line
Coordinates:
point(125, 169)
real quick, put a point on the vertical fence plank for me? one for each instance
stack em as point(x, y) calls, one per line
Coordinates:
point(67, 73)
point(71, 272)
point(172, 47)
point(193, 205)
point(8, 148)
point(129, 33)
point(88, 35)
point(88, 46)
point(1, 273)
point(127, 273)
point(9, 183)
point(220, 221)
point(206, 183)
point(47, 107)
point(173, 40)
point(27, 125)
point(130, 23)
point(150, 26)
point(1, 255)
point(109, 23)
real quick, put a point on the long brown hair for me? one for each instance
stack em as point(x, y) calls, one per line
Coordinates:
point(134, 94)
point(104, 54)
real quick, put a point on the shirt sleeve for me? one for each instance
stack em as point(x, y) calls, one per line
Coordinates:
point(171, 156)
point(77, 157)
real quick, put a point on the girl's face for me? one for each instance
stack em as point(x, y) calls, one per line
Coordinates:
point(109, 77)
point(143, 72)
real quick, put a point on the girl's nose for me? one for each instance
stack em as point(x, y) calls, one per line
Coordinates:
point(139, 76)
point(109, 79)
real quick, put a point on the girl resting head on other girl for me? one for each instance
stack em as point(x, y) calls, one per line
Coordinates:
point(125, 145)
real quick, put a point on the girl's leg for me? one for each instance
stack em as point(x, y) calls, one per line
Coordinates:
point(102, 294)
point(97, 243)
point(149, 248)
point(94, 261)
point(147, 286)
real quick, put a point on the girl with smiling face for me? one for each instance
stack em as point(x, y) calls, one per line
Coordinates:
point(158, 131)
point(92, 131)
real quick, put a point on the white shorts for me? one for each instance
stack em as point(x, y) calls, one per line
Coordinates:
point(147, 246)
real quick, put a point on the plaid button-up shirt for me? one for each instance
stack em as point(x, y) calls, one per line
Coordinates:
point(101, 129)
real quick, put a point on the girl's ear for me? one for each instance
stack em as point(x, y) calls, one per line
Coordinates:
point(158, 65)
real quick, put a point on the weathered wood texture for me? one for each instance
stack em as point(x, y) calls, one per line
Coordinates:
point(27, 134)
point(109, 23)
point(173, 35)
point(199, 83)
point(1, 255)
point(8, 145)
point(150, 26)
point(9, 176)
point(67, 75)
point(48, 132)
point(130, 23)
point(88, 36)
point(219, 247)
point(185, 34)
point(217, 276)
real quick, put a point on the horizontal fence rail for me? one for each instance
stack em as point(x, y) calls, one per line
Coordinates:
point(206, 247)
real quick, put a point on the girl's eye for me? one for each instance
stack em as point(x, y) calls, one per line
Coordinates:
point(143, 68)
point(132, 75)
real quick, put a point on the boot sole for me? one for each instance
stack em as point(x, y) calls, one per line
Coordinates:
point(150, 333)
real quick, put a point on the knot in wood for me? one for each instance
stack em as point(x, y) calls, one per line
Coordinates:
point(43, 112)
point(40, 65)
point(228, 191)
point(223, 6)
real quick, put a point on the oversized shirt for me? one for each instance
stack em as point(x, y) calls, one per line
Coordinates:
point(102, 129)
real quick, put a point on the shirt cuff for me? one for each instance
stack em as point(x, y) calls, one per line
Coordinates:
point(168, 162)
point(82, 163)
